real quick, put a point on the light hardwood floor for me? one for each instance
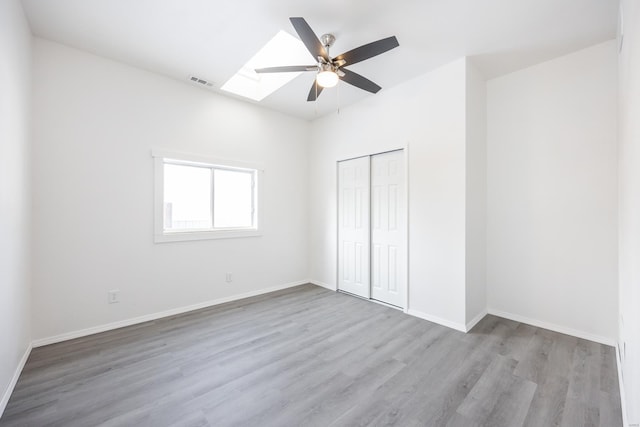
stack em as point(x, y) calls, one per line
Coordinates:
point(307, 356)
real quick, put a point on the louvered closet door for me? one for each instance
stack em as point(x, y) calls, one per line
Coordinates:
point(388, 247)
point(353, 227)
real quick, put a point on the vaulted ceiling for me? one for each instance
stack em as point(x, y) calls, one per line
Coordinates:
point(212, 39)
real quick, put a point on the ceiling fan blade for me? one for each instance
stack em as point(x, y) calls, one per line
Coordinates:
point(315, 91)
point(309, 38)
point(357, 80)
point(287, 69)
point(368, 50)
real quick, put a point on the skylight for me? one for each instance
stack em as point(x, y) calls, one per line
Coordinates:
point(282, 49)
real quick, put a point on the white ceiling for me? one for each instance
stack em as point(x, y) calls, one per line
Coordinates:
point(212, 39)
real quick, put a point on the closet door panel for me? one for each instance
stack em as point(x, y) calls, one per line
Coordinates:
point(354, 227)
point(388, 228)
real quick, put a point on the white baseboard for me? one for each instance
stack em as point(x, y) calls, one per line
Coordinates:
point(623, 397)
point(553, 327)
point(14, 380)
point(323, 285)
point(448, 323)
point(153, 316)
point(473, 322)
point(435, 319)
point(623, 394)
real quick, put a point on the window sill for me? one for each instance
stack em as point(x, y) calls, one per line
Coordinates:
point(183, 236)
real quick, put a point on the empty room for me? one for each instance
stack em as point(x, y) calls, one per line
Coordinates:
point(286, 213)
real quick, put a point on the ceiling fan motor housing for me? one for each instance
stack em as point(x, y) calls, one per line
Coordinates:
point(327, 40)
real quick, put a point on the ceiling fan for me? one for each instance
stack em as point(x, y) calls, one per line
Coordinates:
point(330, 70)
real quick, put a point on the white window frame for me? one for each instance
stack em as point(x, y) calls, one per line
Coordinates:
point(161, 157)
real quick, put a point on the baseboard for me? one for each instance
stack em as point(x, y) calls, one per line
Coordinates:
point(435, 319)
point(323, 285)
point(448, 323)
point(473, 322)
point(154, 316)
point(553, 327)
point(14, 380)
point(623, 397)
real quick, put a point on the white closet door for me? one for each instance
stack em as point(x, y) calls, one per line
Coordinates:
point(353, 227)
point(388, 247)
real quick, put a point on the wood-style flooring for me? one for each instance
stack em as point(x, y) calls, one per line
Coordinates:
point(307, 356)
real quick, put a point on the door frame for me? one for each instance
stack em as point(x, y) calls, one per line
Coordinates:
point(407, 287)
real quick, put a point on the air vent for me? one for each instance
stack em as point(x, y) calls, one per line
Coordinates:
point(200, 81)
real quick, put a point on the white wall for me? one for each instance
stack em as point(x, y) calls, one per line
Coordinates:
point(426, 114)
point(476, 194)
point(15, 96)
point(629, 205)
point(552, 193)
point(95, 124)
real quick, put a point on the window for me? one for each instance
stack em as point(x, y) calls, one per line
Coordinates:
point(282, 49)
point(203, 199)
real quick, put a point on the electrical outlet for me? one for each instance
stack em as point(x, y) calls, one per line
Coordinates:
point(113, 296)
point(229, 277)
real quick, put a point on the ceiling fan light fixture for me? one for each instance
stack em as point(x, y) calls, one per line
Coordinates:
point(327, 78)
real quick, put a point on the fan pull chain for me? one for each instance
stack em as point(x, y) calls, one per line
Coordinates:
point(338, 97)
point(315, 103)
